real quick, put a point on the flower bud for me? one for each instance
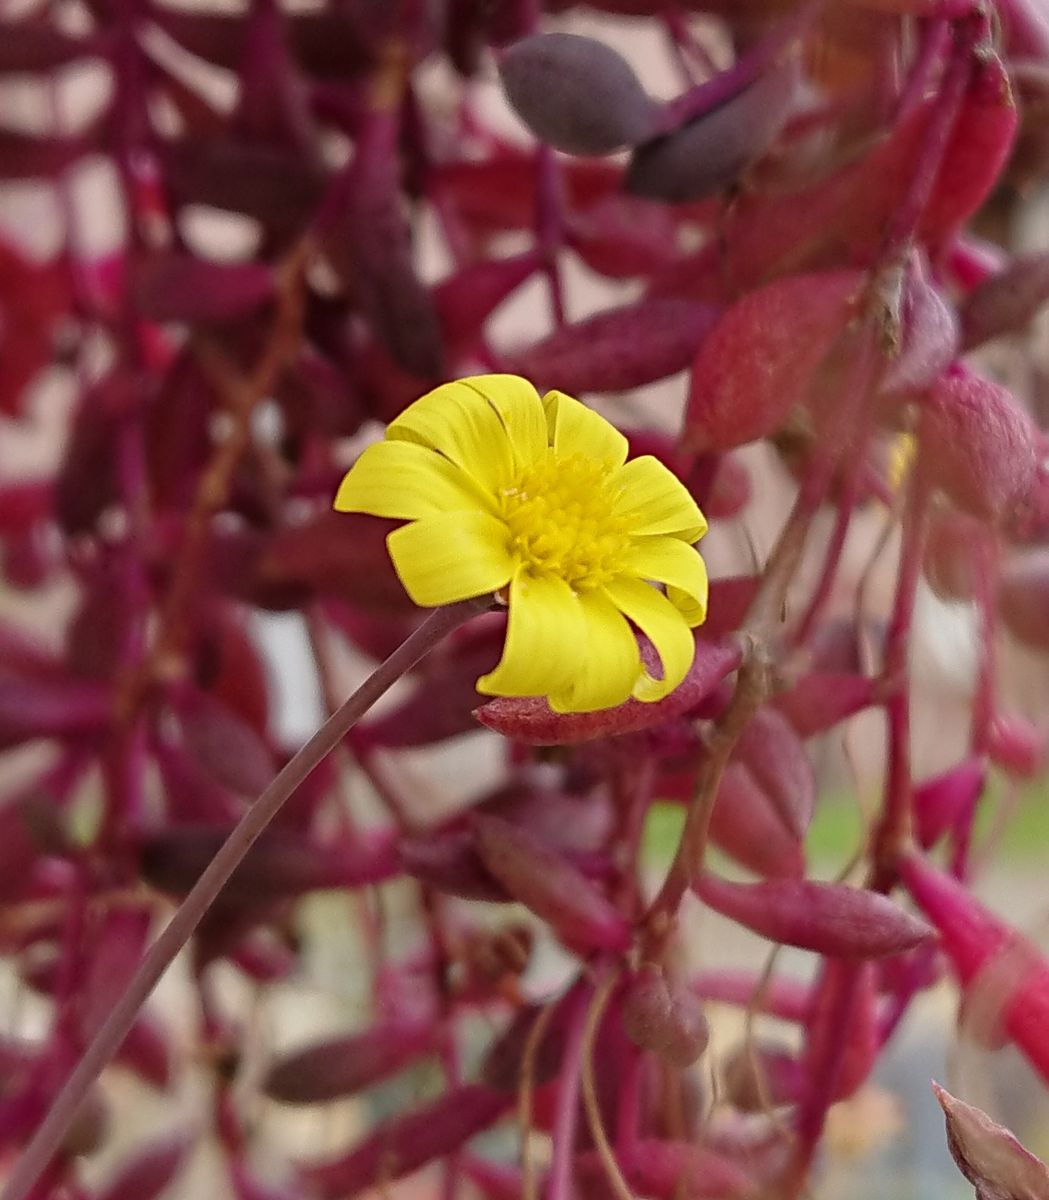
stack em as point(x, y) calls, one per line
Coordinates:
point(758, 361)
point(51, 708)
point(619, 348)
point(343, 1066)
point(711, 151)
point(575, 93)
point(399, 1146)
point(1007, 301)
point(530, 719)
point(746, 824)
point(772, 751)
point(31, 47)
point(941, 802)
point(989, 1155)
point(828, 918)
point(978, 445)
point(672, 1025)
point(549, 885)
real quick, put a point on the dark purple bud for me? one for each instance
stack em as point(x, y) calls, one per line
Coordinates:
point(532, 721)
point(400, 1146)
point(772, 751)
point(176, 287)
point(148, 1170)
point(748, 827)
point(451, 863)
point(711, 151)
point(1007, 301)
point(670, 1023)
point(941, 802)
point(828, 918)
point(989, 1155)
point(619, 348)
point(575, 93)
point(761, 1075)
point(550, 886)
point(343, 1066)
point(280, 864)
point(978, 445)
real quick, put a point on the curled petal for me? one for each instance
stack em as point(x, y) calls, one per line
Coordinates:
point(521, 411)
point(664, 627)
point(451, 556)
point(673, 562)
point(654, 500)
point(545, 639)
point(579, 430)
point(407, 481)
point(611, 665)
point(458, 421)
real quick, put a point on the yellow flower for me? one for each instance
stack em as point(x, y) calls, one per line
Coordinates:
point(534, 499)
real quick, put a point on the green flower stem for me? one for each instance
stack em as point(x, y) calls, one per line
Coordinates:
point(48, 1138)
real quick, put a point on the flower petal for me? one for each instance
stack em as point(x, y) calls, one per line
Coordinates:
point(579, 430)
point(458, 421)
point(451, 556)
point(545, 639)
point(654, 500)
point(612, 663)
point(407, 481)
point(518, 405)
point(673, 562)
point(664, 627)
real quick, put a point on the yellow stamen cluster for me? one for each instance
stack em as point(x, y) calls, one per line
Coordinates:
point(559, 515)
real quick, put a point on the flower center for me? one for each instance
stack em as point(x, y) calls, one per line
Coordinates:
point(559, 515)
